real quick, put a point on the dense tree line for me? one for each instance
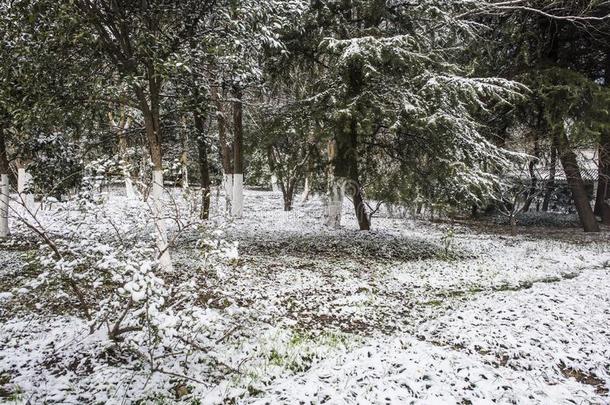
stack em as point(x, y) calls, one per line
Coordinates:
point(426, 103)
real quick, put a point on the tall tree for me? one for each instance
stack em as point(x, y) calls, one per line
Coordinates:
point(145, 43)
point(533, 40)
point(390, 86)
point(4, 185)
point(42, 86)
point(602, 205)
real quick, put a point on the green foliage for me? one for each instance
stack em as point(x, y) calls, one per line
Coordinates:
point(57, 167)
point(570, 101)
point(413, 91)
point(418, 116)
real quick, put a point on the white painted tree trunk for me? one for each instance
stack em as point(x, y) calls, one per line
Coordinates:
point(274, 186)
point(237, 203)
point(24, 181)
point(227, 185)
point(165, 260)
point(129, 189)
point(334, 204)
point(305, 195)
point(4, 208)
point(185, 177)
point(122, 126)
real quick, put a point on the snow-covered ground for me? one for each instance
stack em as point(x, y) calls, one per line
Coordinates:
point(411, 312)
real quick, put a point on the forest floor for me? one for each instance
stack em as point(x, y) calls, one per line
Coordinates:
point(411, 312)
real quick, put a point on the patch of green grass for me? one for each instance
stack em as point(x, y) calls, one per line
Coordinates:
point(253, 391)
point(433, 303)
point(449, 256)
point(166, 399)
point(333, 339)
point(13, 394)
point(275, 358)
point(460, 293)
point(299, 352)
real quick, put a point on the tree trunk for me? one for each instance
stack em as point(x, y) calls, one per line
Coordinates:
point(224, 148)
point(238, 171)
point(288, 193)
point(532, 171)
point(605, 214)
point(164, 258)
point(121, 128)
point(129, 188)
point(550, 185)
point(184, 160)
point(346, 159)
point(364, 221)
point(577, 185)
point(4, 187)
point(306, 191)
point(274, 181)
point(513, 224)
point(346, 167)
point(288, 200)
point(24, 184)
point(334, 202)
point(309, 171)
point(227, 186)
point(144, 166)
point(152, 127)
point(603, 179)
point(602, 206)
point(203, 166)
point(152, 124)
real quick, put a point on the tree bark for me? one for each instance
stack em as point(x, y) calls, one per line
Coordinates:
point(532, 172)
point(165, 261)
point(602, 206)
point(152, 123)
point(346, 159)
point(288, 194)
point(184, 159)
point(346, 167)
point(204, 168)
point(577, 185)
point(238, 171)
point(225, 149)
point(4, 186)
point(121, 128)
point(310, 169)
point(550, 185)
point(306, 190)
point(334, 203)
point(150, 107)
point(532, 191)
point(24, 183)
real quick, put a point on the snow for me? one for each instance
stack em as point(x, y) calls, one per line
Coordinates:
point(411, 312)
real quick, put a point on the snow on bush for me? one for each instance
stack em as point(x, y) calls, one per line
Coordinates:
point(98, 259)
